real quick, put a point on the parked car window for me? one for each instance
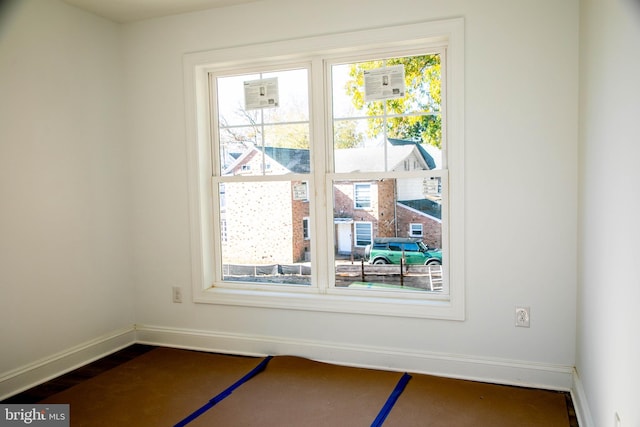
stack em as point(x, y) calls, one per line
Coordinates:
point(413, 247)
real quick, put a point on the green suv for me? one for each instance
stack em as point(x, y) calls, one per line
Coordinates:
point(389, 250)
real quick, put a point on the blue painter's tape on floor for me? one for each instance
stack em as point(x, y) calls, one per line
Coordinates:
point(393, 397)
point(225, 393)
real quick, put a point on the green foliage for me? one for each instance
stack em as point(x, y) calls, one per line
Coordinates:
point(345, 135)
point(423, 95)
point(288, 136)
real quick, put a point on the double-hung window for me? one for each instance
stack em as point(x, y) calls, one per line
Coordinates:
point(308, 158)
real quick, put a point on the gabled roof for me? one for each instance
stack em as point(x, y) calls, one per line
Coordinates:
point(369, 159)
point(295, 160)
point(432, 155)
point(426, 206)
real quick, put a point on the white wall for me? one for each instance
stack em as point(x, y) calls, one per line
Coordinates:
point(64, 199)
point(608, 347)
point(521, 157)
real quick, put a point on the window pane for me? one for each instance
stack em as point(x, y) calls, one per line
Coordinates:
point(265, 248)
point(372, 244)
point(236, 146)
point(294, 97)
point(231, 111)
point(287, 135)
point(395, 155)
point(406, 128)
point(286, 150)
point(348, 100)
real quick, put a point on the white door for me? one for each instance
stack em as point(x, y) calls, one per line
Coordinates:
point(344, 238)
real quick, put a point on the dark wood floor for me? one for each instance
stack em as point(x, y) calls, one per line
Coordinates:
point(63, 382)
point(77, 376)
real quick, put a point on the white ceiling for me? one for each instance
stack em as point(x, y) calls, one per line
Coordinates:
point(136, 10)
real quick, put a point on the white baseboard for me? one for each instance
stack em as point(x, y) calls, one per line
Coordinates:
point(580, 403)
point(499, 371)
point(492, 370)
point(25, 377)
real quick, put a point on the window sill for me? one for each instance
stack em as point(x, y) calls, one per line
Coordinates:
point(337, 301)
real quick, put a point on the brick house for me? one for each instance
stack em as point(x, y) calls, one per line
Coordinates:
point(363, 210)
point(280, 209)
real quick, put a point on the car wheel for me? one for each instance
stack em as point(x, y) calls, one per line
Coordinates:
point(380, 261)
point(433, 262)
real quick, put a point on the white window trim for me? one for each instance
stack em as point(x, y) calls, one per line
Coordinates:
point(411, 226)
point(449, 33)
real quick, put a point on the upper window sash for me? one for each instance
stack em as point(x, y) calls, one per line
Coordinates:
point(230, 123)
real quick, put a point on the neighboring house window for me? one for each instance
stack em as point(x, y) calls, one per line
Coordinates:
point(223, 230)
point(301, 191)
point(223, 198)
point(362, 233)
point(362, 196)
point(305, 229)
point(386, 118)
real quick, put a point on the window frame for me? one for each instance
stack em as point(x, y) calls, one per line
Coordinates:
point(447, 34)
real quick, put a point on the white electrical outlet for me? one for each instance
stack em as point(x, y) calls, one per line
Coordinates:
point(177, 294)
point(522, 317)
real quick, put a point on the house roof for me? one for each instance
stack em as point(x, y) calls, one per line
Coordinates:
point(431, 155)
point(426, 206)
point(371, 159)
point(367, 159)
point(295, 160)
